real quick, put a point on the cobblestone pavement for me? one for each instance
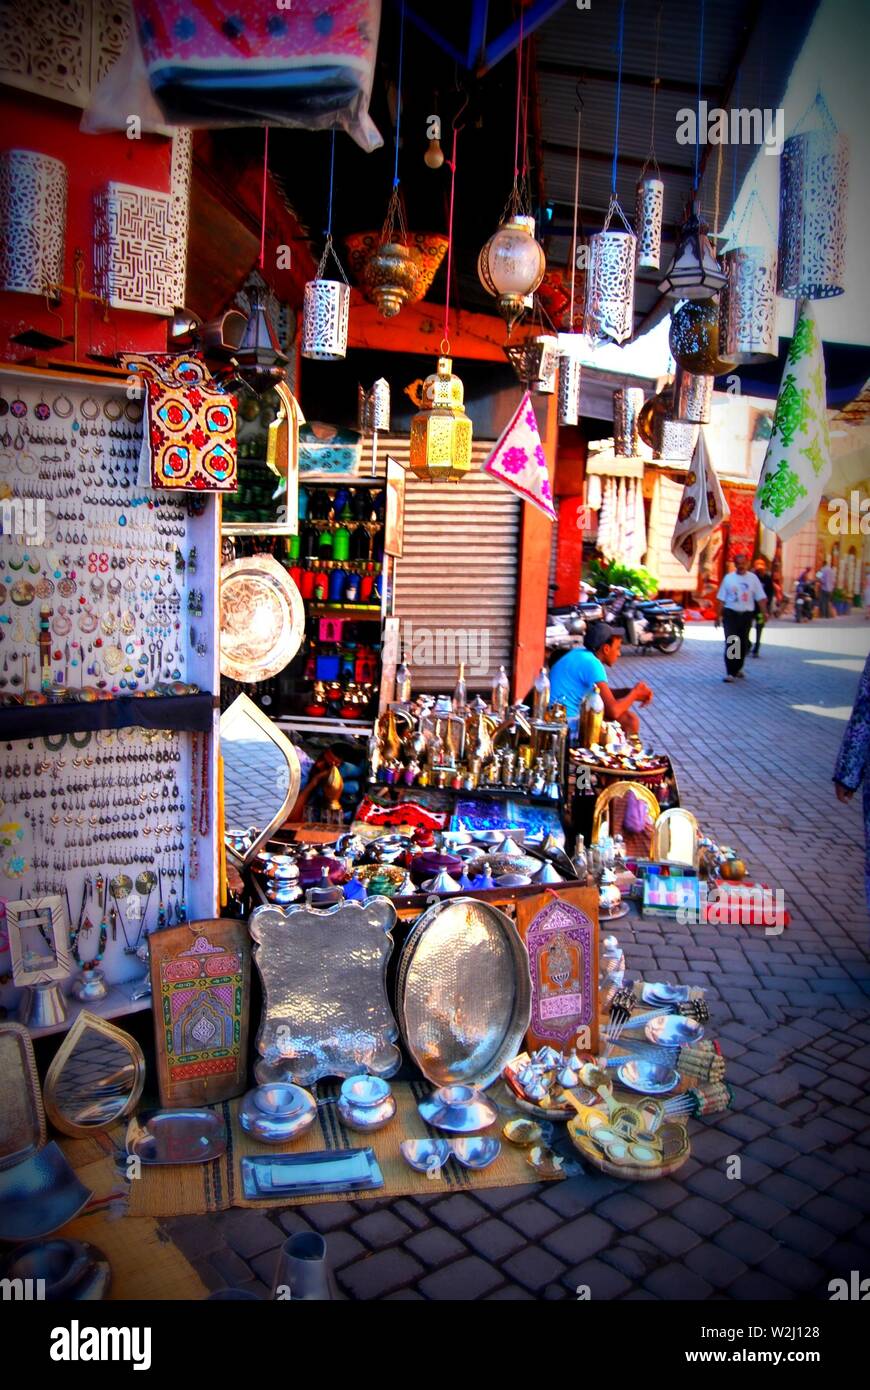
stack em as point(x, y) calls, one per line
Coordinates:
point(791, 1012)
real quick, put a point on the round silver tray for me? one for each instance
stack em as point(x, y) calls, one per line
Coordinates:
point(463, 992)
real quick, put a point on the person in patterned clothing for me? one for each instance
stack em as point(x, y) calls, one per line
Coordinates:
point(853, 762)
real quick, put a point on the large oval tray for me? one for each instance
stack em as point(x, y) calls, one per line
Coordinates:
point(463, 992)
point(262, 619)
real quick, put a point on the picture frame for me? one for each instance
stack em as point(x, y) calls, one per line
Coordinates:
point(47, 918)
point(560, 933)
point(394, 519)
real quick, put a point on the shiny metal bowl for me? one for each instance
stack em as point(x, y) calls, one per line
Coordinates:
point(477, 1152)
point(651, 1078)
point(278, 1112)
point(366, 1102)
point(670, 1030)
point(458, 1110)
point(426, 1155)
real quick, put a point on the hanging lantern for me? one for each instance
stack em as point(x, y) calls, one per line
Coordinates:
point(33, 190)
point(813, 188)
point(390, 277)
point(674, 440)
point(536, 362)
point(373, 407)
point(694, 338)
point(649, 206)
point(570, 374)
point(441, 431)
point(694, 272)
point(260, 361)
point(627, 405)
point(511, 266)
point(649, 413)
point(325, 309)
point(610, 282)
point(693, 397)
point(747, 310)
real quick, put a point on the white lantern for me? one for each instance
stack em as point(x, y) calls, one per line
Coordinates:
point(693, 397)
point(609, 311)
point(648, 223)
point(747, 309)
point(812, 214)
point(325, 312)
point(694, 272)
point(511, 265)
point(627, 405)
point(33, 189)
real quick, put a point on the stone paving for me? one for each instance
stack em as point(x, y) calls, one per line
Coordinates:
point(791, 1011)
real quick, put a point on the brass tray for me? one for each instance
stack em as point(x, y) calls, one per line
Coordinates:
point(262, 619)
point(675, 1150)
point(22, 1118)
point(463, 992)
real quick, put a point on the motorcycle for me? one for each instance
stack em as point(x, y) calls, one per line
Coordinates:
point(647, 623)
point(804, 603)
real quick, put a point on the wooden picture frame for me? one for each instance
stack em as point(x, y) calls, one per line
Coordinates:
point(201, 987)
point(394, 515)
point(46, 916)
point(560, 933)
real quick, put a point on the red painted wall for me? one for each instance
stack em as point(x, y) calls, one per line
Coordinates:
point(51, 127)
point(569, 549)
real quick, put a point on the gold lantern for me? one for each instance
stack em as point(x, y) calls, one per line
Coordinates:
point(441, 431)
point(391, 277)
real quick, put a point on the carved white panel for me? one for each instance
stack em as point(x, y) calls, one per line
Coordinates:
point(33, 192)
point(61, 50)
point(135, 249)
point(179, 191)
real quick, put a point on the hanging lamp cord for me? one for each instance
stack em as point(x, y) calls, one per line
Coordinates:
point(576, 209)
point(263, 200)
point(445, 341)
point(698, 112)
point(620, 44)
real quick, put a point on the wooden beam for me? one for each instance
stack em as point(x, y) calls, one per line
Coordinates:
point(418, 328)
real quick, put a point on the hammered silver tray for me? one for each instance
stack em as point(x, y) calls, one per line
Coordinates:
point(325, 1010)
point(463, 992)
point(306, 1175)
point(177, 1136)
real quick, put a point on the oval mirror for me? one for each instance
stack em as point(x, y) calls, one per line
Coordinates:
point(261, 778)
point(96, 1077)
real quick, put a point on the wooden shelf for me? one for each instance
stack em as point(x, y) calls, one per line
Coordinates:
point(372, 611)
point(186, 713)
point(115, 1004)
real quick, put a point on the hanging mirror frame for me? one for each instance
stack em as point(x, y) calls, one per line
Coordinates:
point(82, 1024)
point(662, 837)
point(244, 706)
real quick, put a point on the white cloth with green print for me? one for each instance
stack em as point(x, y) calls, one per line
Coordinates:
point(797, 464)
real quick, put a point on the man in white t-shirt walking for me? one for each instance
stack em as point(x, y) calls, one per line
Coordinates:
point(735, 609)
point(827, 577)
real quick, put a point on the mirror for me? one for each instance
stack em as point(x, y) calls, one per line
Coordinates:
point(96, 1077)
point(676, 838)
point(266, 502)
point(262, 777)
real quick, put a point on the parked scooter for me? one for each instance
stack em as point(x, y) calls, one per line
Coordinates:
point(647, 623)
point(804, 602)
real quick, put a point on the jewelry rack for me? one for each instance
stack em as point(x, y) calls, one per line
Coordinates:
point(108, 668)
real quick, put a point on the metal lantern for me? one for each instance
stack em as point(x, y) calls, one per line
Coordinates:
point(694, 272)
point(627, 405)
point(33, 189)
point(511, 266)
point(609, 309)
point(674, 439)
point(390, 277)
point(441, 431)
point(693, 397)
point(649, 206)
point(747, 310)
point(373, 407)
point(259, 359)
point(570, 373)
point(694, 338)
point(325, 313)
point(813, 188)
point(536, 362)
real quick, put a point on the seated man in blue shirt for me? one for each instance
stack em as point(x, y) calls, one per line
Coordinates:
point(581, 669)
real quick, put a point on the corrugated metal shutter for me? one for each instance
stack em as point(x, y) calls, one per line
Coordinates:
point(456, 584)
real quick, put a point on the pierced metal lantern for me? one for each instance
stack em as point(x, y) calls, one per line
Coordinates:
point(325, 313)
point(570, 375)
point(693, 397)
point(33, 191)
point(511, 266)
point(390, 277)
point(694, 337)
point(441, 431)
point(536, 362)
point(747, 309)
point(627, 405)
point(813, 189)
point(609, 309)
point(674, 439)
point(373, 407)
point(649, 205)
point(694, 272)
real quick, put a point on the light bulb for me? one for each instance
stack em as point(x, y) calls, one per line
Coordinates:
point(434, 156)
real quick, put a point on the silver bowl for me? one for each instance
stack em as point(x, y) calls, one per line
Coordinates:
point(458, 1110)
point(68, 1269)
point(39, 1194)
point(477, 1152)
point(278, 1112)
point(366, 1102)
point(426, 1155)
point(670, 1030)
point(650, 1078)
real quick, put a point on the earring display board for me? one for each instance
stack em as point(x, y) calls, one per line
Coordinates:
point(108, 661)
point(200, 980)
